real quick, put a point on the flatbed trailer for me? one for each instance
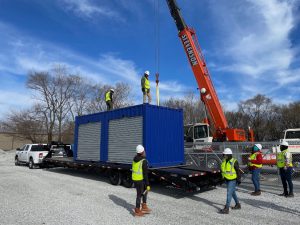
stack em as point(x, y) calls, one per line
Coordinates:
point(187, 178)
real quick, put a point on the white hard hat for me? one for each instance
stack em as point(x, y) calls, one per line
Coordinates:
point(147, 72)
point(227, 151)
point(258, 146)
point(139, 149)
point(112, 90)
point(284, 143)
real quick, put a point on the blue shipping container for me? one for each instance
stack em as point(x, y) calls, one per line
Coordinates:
point(113, 135)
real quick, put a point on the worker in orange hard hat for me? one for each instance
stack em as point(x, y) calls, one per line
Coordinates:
point(140, 180)
point(255, 165)
point(145, 84)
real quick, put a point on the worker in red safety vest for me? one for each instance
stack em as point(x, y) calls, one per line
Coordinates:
point(255, 165)
point(140, 180)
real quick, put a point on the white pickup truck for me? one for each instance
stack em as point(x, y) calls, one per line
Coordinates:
point(31, 155)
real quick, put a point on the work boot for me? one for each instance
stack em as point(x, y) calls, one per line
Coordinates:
point(138, 212)
point(145, 208)
point(237, 206)
point(256, 193)
point(283, 194)
point(225, 210)
point(290, 195)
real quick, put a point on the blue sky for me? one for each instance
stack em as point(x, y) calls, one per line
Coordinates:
point(251, 47)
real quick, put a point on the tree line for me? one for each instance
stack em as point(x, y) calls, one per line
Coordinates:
point(61, 96)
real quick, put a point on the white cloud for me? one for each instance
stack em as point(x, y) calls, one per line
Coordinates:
point(88, 9)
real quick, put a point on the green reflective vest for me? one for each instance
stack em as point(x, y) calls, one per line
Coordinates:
point(107, 96)
point(253, 157)
point(137, 170)
point(281, 159)
point(145, 83)
point(228, 170)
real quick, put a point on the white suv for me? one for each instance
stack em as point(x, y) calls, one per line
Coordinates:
point(31, 154)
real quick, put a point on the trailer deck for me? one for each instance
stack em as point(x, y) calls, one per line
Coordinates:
point(185, 177)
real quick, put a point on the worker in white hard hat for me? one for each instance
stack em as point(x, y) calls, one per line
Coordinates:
point(109, 99)
point(145, 85)
point(285, 165)
point(140, 180)
point(231, 173)
point(255, 165)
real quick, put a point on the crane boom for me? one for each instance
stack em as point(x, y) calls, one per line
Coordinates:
point(208, 94)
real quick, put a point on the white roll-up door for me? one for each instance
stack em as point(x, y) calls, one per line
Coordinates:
point(89, 139)
point(124, 135)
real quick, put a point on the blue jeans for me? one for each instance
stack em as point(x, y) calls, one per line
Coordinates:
point(231, 184)
point(255, 179)
point(286, 177)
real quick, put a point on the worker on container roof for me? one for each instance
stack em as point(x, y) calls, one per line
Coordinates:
point(231, 174)
point(255, 165)
point(109, 99)
point(285, 165)
point(140, 180)
point(145, 84)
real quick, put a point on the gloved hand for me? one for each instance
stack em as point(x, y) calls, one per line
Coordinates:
point(148, 188)
point(238, 182)
point(143, 89)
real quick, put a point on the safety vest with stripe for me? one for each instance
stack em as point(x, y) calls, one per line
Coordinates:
point(228, 170)
point(137, 170)
point(281, 160)
point(107, 96)
point(147, 84)
point(253, 157)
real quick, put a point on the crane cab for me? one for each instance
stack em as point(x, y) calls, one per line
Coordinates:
point(198, 132)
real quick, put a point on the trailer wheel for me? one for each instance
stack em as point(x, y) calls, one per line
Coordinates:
point(115, 177)
point(213, 163)
point(127, 180)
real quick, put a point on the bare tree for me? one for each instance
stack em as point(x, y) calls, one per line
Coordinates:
point(43, 83)
point(192, 106)
point(24, 124)
point(122, 95)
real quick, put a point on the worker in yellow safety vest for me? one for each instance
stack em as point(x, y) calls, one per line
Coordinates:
point(231, 173)
point(145, 84)
point(140, 180)
point(285, 165)
point(255, 165)
point(109, 99)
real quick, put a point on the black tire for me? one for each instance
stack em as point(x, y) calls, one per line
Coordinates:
point(213, 162)
point(17, 162)
point(115, 177)
point(31, 163)
point(127, 180)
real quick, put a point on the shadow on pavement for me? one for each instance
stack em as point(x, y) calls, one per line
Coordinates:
point(123, 203)
point(262, 204)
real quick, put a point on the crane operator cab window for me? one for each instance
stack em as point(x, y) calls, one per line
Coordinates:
point(200, 132)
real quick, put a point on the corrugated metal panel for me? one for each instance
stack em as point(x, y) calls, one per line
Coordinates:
point(123, 137)
point(89, 139)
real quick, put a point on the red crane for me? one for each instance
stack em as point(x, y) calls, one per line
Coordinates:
point(208, 94)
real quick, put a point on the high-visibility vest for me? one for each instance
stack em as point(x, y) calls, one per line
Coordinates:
point(228, 170)
point(137, 170)
point(147, 84)
point(107, 96)
point(281, 159)
point(253, 157)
